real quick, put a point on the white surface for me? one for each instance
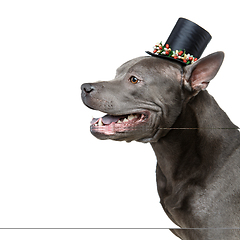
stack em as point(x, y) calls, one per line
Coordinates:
point(53, 172)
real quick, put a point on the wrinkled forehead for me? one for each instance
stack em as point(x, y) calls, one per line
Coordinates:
point(129, 64)
point(146, 65)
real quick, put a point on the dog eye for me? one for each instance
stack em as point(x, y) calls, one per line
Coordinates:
point(133, 80)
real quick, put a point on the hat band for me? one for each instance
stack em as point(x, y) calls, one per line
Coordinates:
point(177, 54)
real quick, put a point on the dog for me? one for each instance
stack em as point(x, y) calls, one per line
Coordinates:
point(157, 101)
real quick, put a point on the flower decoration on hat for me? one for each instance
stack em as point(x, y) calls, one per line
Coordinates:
point(185, 43)
point(165, 50)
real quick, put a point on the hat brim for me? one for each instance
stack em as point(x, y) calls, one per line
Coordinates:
point(168, 58)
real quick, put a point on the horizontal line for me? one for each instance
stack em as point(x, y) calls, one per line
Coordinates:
point(79, 228)
point(119, 228)
point(199, 128)
point(171, 128)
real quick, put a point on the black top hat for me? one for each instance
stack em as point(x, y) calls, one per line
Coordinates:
point(185, 44)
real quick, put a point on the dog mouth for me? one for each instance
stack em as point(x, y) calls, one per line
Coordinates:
point(112, 124)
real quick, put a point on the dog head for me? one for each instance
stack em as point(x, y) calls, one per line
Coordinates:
point(146, 96)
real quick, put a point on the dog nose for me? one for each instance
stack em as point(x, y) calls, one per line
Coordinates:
point(87, 87)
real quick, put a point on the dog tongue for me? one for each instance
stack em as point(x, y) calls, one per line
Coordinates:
point(107, 119)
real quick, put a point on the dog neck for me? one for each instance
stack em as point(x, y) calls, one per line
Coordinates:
point(189, 153)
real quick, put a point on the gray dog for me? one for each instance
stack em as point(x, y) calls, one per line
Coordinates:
point(197, 146)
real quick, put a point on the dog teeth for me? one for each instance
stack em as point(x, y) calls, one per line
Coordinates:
point(131, 117)
point(100, 123)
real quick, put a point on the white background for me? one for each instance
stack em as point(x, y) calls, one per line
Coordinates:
point(53, 172)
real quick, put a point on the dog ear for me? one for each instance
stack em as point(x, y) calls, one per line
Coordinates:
point(199, 74)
